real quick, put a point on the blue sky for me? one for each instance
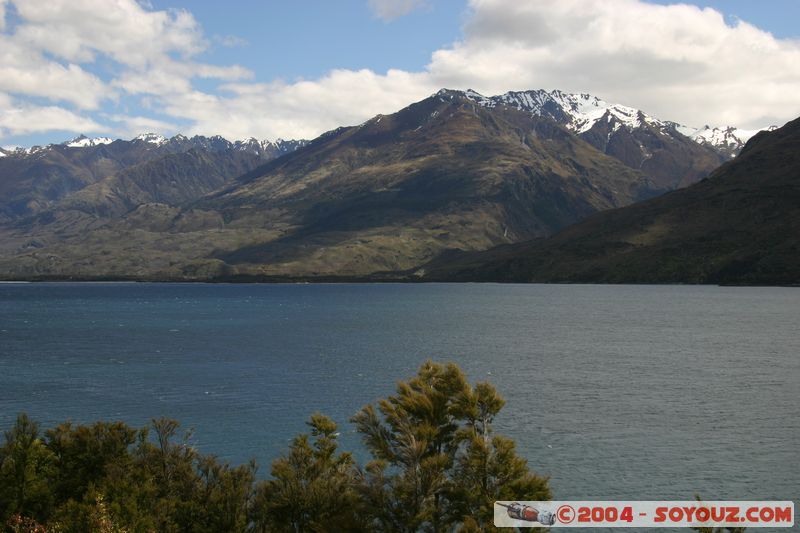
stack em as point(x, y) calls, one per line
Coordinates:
point(296, 69)
point(281, 40)
point(778, 17)
point(306, 39)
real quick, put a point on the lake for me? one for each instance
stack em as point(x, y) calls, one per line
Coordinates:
point(615, 392)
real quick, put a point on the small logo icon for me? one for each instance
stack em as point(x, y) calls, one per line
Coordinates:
point(565, 514)
point(517, 511)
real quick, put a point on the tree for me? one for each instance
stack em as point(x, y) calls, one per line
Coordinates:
point(437, 463)
point(25, 467)
point(313, 486)
point(86, 453)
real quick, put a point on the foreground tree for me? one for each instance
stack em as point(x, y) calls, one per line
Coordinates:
point(437, 463)
point(313, 487)
point(26, 467)
point(488, 468)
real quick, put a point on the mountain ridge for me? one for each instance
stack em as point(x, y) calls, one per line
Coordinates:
point(197, 141)
point(739, 226)
point(33, 180)
point(387, 194)
point(455, 170)
point(581, 111)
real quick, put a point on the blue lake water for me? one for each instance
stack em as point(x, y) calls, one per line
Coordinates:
point(616, 392)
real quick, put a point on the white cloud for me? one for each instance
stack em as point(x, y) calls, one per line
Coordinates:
point(141, 40)
point(2, 15)
point(392, 9)
point(19, 118)
point(150, 52)
point(676, 62)
point(76, 30)
point(298, 110)
point(25, 71)
point(130, 126)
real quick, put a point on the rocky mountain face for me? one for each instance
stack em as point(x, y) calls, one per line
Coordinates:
point(727, 140)
point(386, 195)
point(441, 173)
point(671, 154)
point(34, 179)
point(454, 171)
point(580, 112)
point(739, 226)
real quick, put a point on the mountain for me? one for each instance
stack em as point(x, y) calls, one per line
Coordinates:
point(388, 194)
point(173, 180)
point(727, 140)
point(580, 112)
point(454, 171)
point(739, 226)
point(439, 173)
point(670, 154)
point(82, 141)
point(34, 179)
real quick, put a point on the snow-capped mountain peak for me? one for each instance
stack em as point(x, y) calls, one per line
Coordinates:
point(726, 136)
point(152, 138)
point(580, 112)
point(82, 141)
point(177, 143)
point(577, 111)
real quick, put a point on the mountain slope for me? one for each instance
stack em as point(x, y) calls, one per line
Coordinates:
point(385, 195)
point(670, 154)
point(174, 179)
point(35, 179)
point(741, 225)
point(439, 173)
point(454, 171)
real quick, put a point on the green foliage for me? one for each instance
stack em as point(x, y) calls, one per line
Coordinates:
point(26, 466)
point(436, 465)
point(488, 468)
point(84, 453)
point(110, 478)
point(313, 487)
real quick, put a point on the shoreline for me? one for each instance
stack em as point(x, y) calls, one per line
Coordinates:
point(356, 280)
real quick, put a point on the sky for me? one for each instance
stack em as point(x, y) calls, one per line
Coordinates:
point(288, 69)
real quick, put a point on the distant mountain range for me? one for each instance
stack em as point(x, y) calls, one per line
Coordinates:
point(34, 179)
point(177, 143)
point(741, 225)
point(455, 171)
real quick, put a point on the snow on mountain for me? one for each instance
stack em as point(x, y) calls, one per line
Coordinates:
point(583, 110)
point(177, 143)
point(580, 112)
point(276, 147)
point(82, 141)
point(252, 145)
point(725, 136)
point(152, 138)
point(20, 151)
